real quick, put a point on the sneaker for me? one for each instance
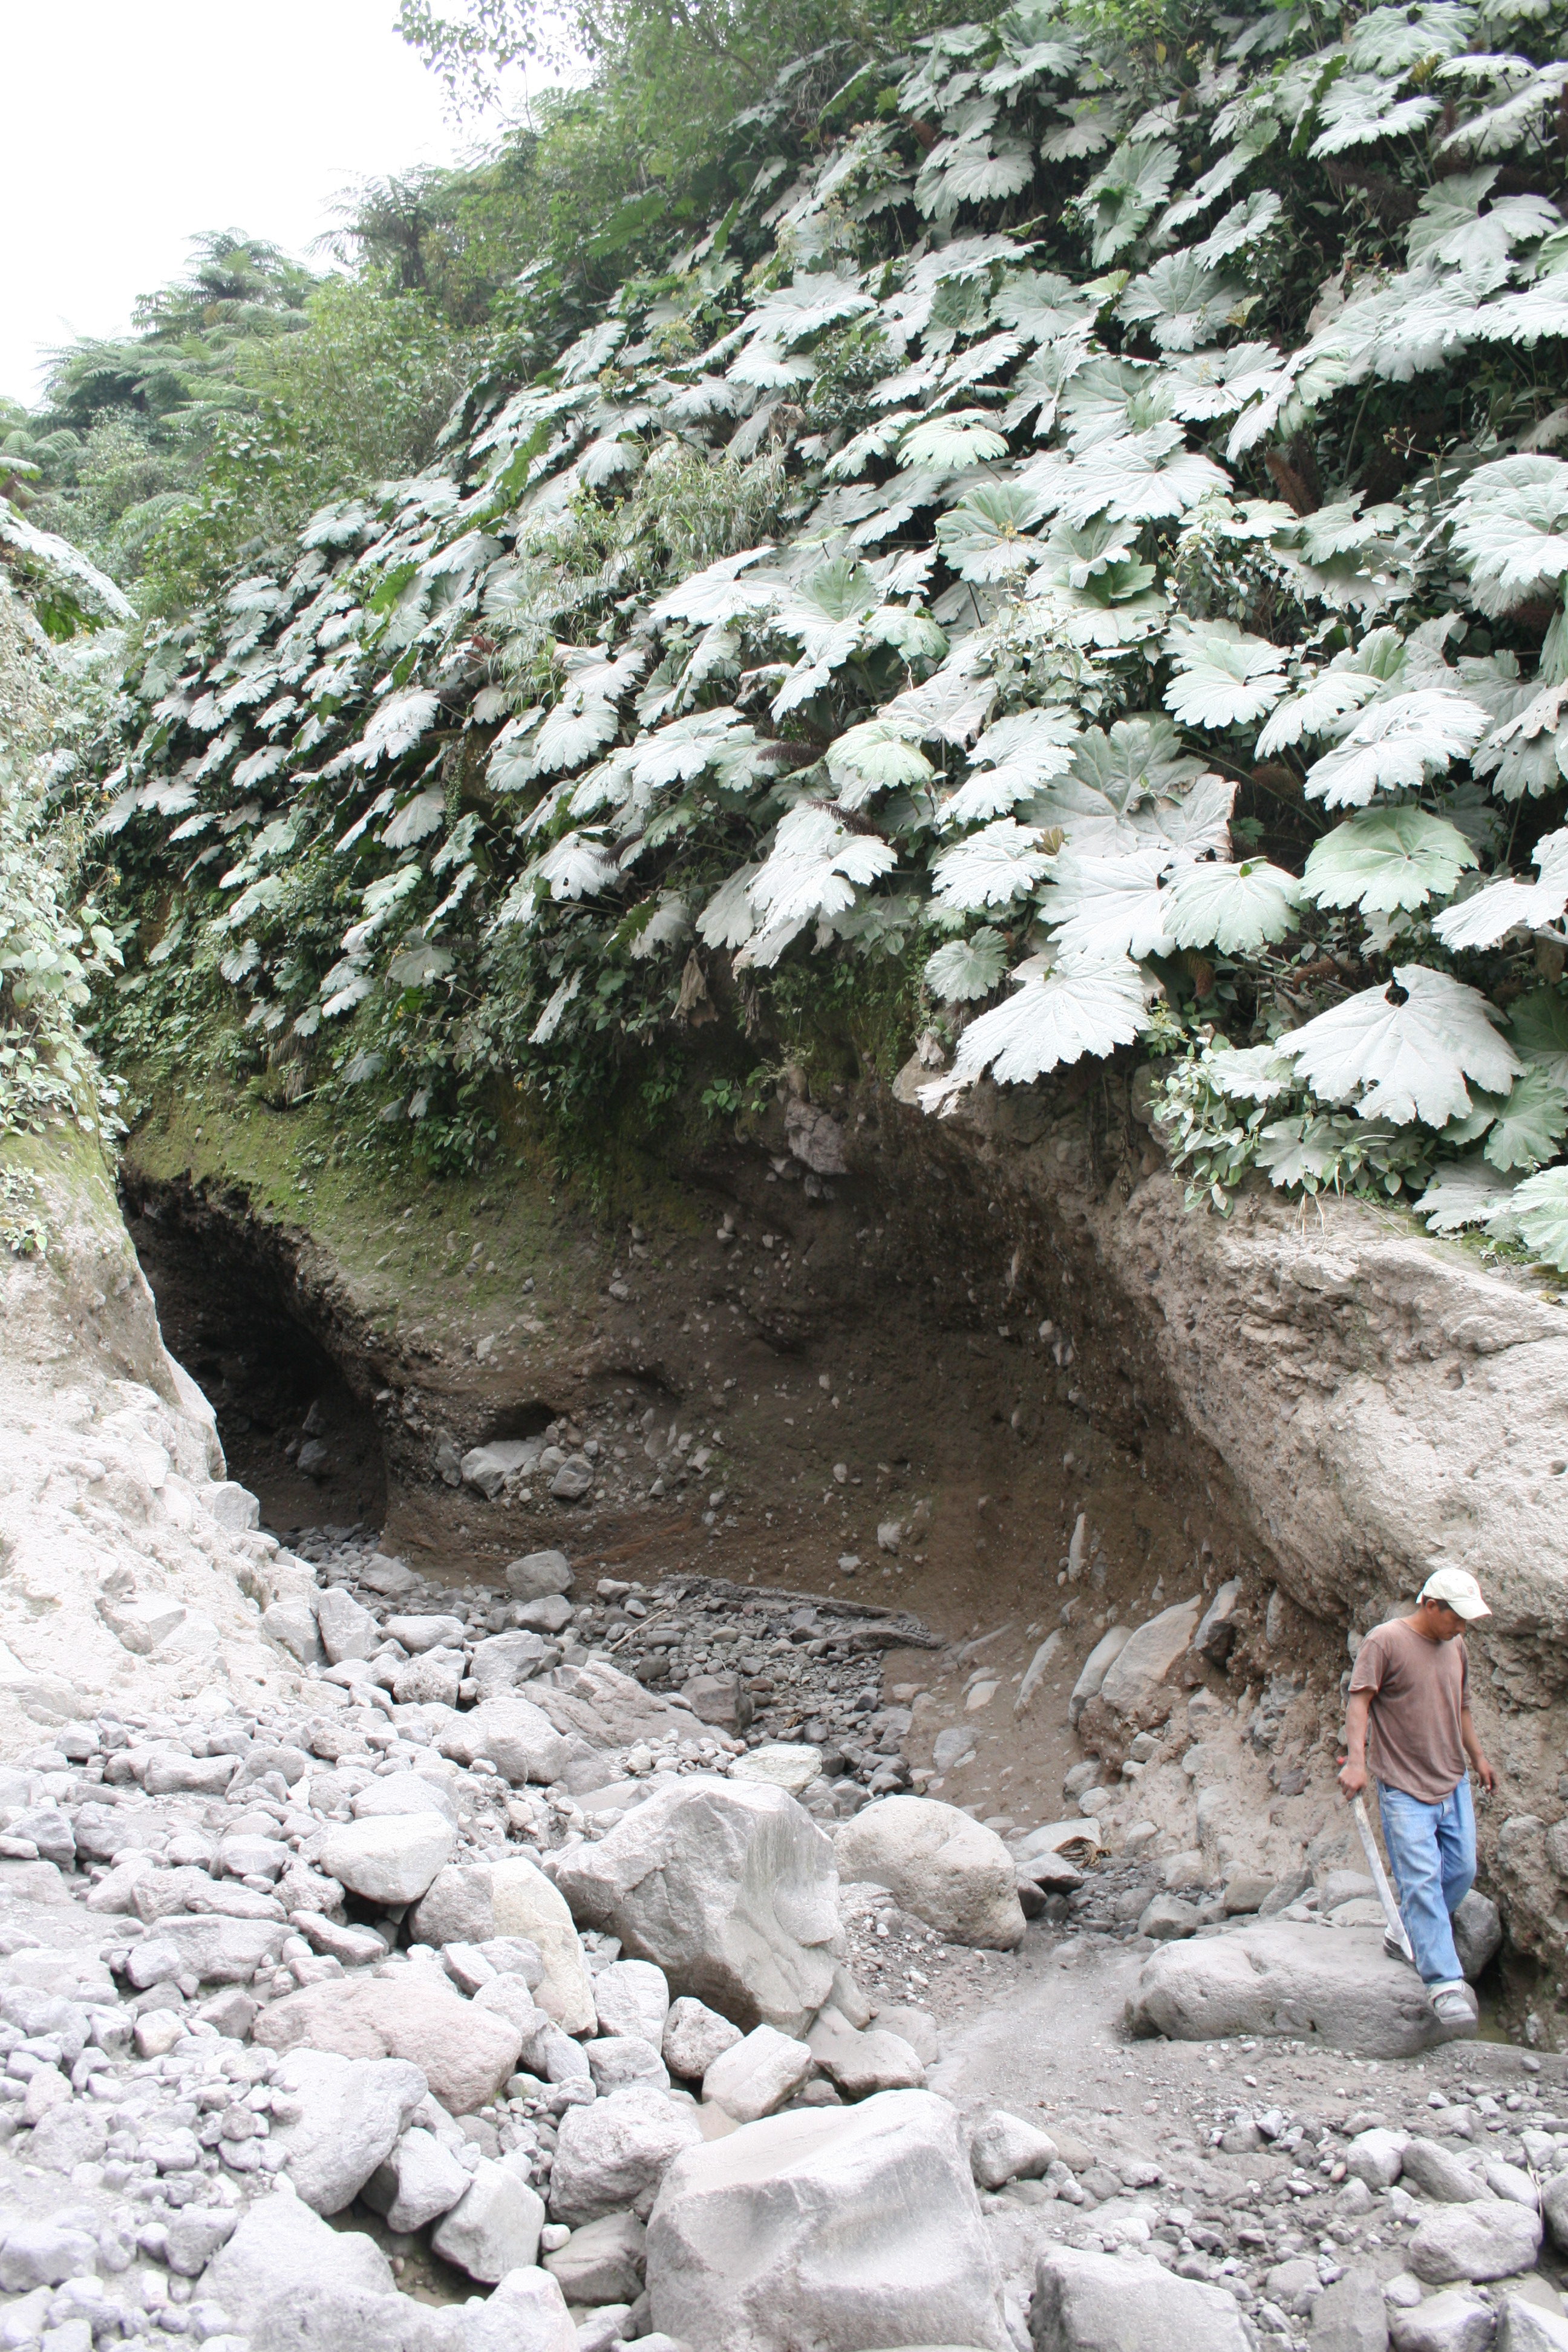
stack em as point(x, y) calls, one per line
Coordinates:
point(1396, 1950)
point(1456, 2009)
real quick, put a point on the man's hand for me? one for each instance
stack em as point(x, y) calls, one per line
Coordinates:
point(1484, 1772)
point(1352, 1777)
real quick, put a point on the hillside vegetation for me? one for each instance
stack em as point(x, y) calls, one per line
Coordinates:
point(1053, 540)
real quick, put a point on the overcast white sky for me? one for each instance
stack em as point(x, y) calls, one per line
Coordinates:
point(135, 124)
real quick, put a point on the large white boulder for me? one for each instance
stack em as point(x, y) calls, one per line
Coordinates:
point(335, 2120)
point(613, 2153)
point(1285, 1981)
point(1101, 2303)
point(524, 1903)
point(834, 2227)
point(513, 1735)
point(941, 1863)
point(495, 2226)
point(281, 2245)
point(419, 2181)
point(632, 1998)
point(389, 1859)
point(466, 2052)
point(758, 2074)
point(1135, 1689)
point(730, 1889)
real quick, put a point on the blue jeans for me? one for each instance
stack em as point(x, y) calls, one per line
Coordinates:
point(1432, 1851)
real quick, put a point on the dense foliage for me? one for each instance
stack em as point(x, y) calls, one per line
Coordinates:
point(1078, 539)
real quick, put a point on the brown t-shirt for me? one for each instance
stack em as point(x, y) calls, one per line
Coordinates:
point(1419, 1689)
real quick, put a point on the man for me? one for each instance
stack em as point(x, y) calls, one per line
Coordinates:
point(1410, 1688)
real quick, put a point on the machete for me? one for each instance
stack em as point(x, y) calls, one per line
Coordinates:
point(1380, 1879)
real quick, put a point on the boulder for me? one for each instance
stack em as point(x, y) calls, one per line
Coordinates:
point(389, 1858)
point(214, 1949)
point(494, 2228)
point(1478, 1933)
point(730, 1889)
point(1217, 1631)
point(281, 2246)
point(632, 1997)
point(404, 1792)
point(335, 2119)
point(602, 2262)
point(758, 2074)
point(1096, 1666)
point(1003, 2148)
point(1427, 2165)
point(1376, 2156)
point(694, 2035)
point(455, 1909)
point(503, 1661)
point(1349, 2315)
point(433, 1680)
point(347, 1630)
point(1135, 1689)
point(1526, 2327)
point(617, 2060)
point(915, 2026)
point(1491, 2240)
point(550, 1615)
point(513, 1735)
point(1168, 1919)
point(527, 2312)
point(418, 1634)
point(526, 1904)
point(1103, 2303)
point(861, 2063)
point(538, 1574)
point(718, 1700)
point(610, 2154)
point(941, 1864)
point(465, 2052)
point(419, 2180)
point(1453, 2321)
point(834, 2227)
point(1554, 2207)
point(1285, 1981)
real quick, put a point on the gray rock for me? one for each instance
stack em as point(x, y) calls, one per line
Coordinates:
point(346, 1629)
point(194, 2235)
point(514, 1956)
point(1478, 1933)
point(292, 1625)
point(1135, 1688)
point(1451, 2321)
point(862, 2063)
point(603, 2262)
point(1429, 2165)
point(455, 1909)
point(746, 2244)
point(617, 2060)
point(915, 2026)
point(1217, 1630)
point(610, 2154)
point(42, 2253)
point(1512, 2181)
point(722, 1700)
point(953, 1746)
point(214, 1949)
point(1475, 2241)
point(529, 1906)
point(1285, 1981)
point(1167, 1919)
point(433, 1680)
point(389, 1858)
point(503, 1661)
point(632, 1997)
point(335, 2119)
point(404, 1792)
point(280, 2247)
point(758, 2074)
point(513, 1735)
point(1003, 2147)
point(418, 1634)
point(550, 1615)
point(1376, 2156)
point(694, 2035)
point(1100, 2303)
point(465, 2052)
point(1349, 2315)
point(1554, 2208)
point(1526, 2327)
point(495, 2227)
point(1294, 2285)
point(1096, 1666)
point(348, 2319)
point(419, 2180)
point(527, 2312)
point(941, 1864)
point(539, 1573)
point(728, 1887)
point(573, 1480)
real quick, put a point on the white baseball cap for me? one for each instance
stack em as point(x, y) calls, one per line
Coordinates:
point(1457, 1589)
